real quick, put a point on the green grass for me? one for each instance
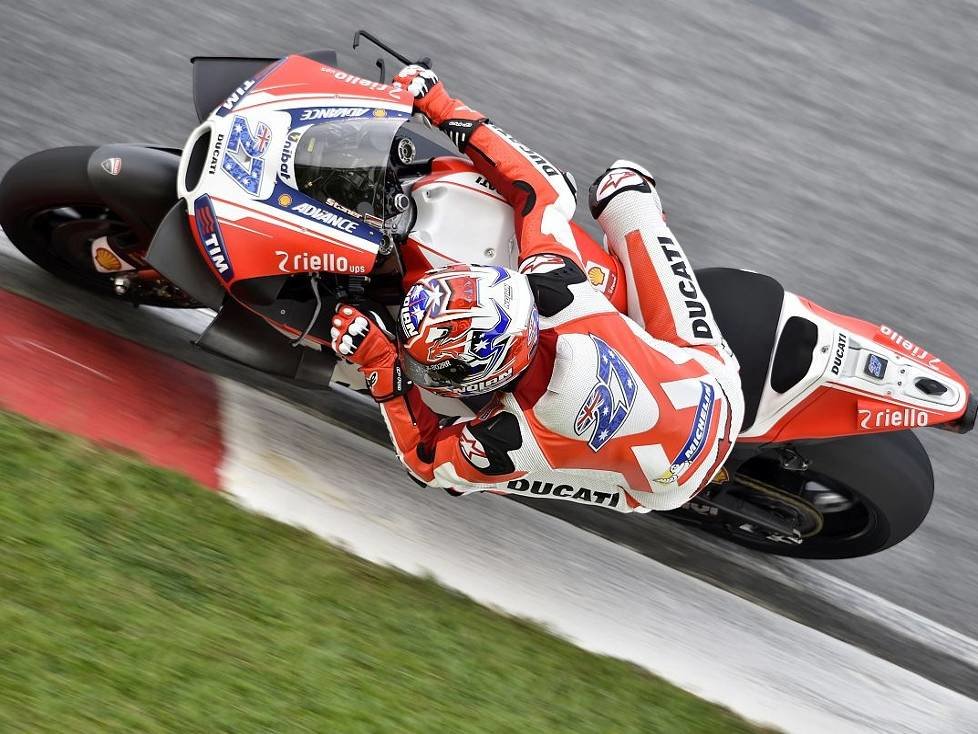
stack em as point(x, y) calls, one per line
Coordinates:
point(131, 600)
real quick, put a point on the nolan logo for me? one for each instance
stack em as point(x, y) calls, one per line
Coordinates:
point(498, 381)
point(840, 353)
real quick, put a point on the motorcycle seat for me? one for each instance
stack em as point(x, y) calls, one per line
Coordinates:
point(747, 308)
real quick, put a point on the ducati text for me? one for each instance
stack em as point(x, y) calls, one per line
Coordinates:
point(564, 491)
point(840, 353)
point(216, 153)
point(538, 160)
point(695, 305)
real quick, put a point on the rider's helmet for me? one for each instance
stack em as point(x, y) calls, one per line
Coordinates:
point(468, 329)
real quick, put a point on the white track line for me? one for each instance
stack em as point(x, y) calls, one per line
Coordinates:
point(295, 467)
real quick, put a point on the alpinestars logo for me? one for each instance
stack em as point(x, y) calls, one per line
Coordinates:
point(616, 180)
point(473, 450)
point(611, 399)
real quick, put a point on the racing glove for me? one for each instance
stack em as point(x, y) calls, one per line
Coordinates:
point(360, 339)
point(417, 79)
point(452, 116)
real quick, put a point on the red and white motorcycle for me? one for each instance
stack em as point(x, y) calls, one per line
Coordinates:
point(305, 185)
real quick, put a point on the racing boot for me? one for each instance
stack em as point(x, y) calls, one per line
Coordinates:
point(663, 295)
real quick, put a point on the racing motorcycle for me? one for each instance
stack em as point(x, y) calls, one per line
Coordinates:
point(306, 185)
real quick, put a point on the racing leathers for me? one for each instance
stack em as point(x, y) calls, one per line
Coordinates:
point(631, 412)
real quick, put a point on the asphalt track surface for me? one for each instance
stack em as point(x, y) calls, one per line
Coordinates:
point(831, 145)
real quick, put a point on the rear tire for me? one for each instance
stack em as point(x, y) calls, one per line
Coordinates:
point(888, 477)
point(32, 194)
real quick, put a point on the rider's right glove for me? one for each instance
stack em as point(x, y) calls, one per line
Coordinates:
point(417, 79)
point(359, 339)
point(455, 118)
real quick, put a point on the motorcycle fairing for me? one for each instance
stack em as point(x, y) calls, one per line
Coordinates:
point(267, 225)
point(462, 219)
point(860, 379)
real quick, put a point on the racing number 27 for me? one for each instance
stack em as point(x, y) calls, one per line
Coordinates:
point(244, 156)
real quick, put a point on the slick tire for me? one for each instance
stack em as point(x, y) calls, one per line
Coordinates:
point(890, 476)
point(56, 177)
point(43, 182)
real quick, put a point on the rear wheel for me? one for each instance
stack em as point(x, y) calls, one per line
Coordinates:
point(844, 498)
point(51, 212)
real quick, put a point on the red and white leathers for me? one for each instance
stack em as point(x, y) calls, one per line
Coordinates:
point(633, 412)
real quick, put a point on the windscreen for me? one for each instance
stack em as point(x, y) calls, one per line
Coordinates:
point(346, 160)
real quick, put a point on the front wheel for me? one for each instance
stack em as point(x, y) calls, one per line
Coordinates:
point(52, 213)
point(843, 498)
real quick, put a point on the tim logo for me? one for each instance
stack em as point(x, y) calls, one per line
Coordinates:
point(209, 232)
point(244, 157)
point(611, 399)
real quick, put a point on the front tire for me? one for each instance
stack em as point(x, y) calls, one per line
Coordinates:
point(51, 212)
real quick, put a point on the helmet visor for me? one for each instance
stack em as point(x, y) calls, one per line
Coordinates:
point(446, 376)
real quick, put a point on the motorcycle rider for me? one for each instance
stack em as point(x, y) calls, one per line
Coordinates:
point(634, 413)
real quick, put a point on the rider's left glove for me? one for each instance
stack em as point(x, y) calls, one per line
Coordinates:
point(359, 338)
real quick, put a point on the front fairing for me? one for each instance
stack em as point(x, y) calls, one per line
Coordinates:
point(259, 206)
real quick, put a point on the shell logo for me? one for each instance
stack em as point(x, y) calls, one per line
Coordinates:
point(107, 259)
point(380, 112)
point(596, 275)
point(721, 477)
point(284, 200)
